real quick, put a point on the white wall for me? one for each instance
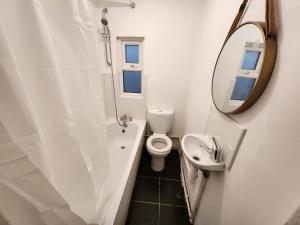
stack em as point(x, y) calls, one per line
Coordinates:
point(168, 28)
point(264, 182)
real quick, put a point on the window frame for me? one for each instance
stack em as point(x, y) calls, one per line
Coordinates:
point(249, 46)
point(122, 82)
point(123, 66)
point(130, 65)
point(252, 47)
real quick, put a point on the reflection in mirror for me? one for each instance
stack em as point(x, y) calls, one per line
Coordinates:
point(238, 67)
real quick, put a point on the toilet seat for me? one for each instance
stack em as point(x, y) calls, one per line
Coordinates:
point(159, 144)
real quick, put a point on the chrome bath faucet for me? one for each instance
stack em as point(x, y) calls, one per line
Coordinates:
point(125, 119)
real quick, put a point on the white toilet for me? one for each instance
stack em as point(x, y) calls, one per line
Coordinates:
point(159, 144)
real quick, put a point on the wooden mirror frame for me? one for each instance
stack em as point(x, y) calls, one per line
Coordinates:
point(270, 37)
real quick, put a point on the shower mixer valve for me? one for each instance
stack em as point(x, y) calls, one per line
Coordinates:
point(124, 119)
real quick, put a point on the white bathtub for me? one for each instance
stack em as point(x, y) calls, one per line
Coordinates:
point(125, 150)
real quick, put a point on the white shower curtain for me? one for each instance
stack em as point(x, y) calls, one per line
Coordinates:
point(51, 101)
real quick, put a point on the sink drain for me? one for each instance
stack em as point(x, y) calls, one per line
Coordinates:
point(123, 147)
point(196, 158)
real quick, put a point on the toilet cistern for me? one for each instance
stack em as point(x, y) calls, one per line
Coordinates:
point(159, 144)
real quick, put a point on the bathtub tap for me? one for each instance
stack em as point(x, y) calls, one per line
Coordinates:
point(124, 119)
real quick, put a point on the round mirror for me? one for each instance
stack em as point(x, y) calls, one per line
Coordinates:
point(240, 75)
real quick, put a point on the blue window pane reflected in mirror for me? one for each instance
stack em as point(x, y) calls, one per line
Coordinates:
point(250, 60)
point(242, 88)
point(132, 53)
point(132, 81)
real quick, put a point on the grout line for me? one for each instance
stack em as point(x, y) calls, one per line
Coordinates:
point(145, 202)
point(156, 203)
point(163, 178)
point(158, 200)
point(159, 178)
point(179, 206)
point(159, 204)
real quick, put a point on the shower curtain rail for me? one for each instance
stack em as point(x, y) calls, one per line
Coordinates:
point(113, 3)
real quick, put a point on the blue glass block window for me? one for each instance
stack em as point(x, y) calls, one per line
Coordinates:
point(250, 60)
point(132, 81)
point(132, 53)
point(242, 88)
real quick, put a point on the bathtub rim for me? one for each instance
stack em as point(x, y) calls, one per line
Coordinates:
point(113, 209)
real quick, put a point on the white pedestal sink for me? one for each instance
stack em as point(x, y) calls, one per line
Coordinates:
point(197, 155)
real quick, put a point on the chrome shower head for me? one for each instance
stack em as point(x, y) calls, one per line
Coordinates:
point(103, 19)
point(106, 32)
point(132, 4)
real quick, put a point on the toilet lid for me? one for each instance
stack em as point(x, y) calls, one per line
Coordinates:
point(159, 143)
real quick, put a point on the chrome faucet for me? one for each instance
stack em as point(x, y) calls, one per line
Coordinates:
point(214, 151)
point(208, 149)
point(125, 119)
point(215, 154)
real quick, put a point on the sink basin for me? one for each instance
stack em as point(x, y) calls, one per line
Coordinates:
point(198, 156)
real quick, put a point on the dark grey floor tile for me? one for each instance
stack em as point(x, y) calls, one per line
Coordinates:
point(146, 170)
point(171, 215)
point(173, 157)
point(171, 192)
point(146, 189)
point(142, 214)
point(171, 171)
point(145, 155)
